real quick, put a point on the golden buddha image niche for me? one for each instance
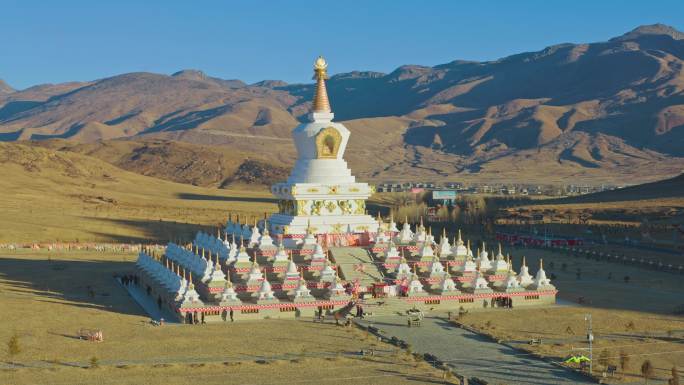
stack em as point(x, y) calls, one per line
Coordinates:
point(328, 143)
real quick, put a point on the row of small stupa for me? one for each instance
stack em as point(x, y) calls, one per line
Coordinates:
point(209, 259)
point(208, 256)
point(429, 250)
point(473, 270)
point(472, 273)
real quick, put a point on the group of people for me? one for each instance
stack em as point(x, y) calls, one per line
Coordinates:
point(128, 279)
point(506, 302)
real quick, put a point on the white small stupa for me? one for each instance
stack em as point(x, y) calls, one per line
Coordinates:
point(265, 240)
point(292, 270)
point(426, 253)
point(415, 287)
point(429, 238)
point(459, 250)
point(483, 259)
point(254, 236)
point(281, 257)
point(448, 287)
point(540, 281)
point(403, 270)
point(336, 291)
point(309, 239)
point(391, 255)
point(500, 265)
point(468, 266)
point(511, 284)
point(444, 248)
point(229, 296)
point(479, 284)
point(421, 235)
point(381, 238)
point(207, 266)
point(392, 226)
point(225, 241)
point(436, 267)
point(242, 257)
point(217, 276)
point(265, 293)
point(182, 287)
point(524, 278)
point(233, 251)
point(318, 256)
point(255, 276)
point(302, 292)
point(405, 236)
point(328, 274)
point(191, 297)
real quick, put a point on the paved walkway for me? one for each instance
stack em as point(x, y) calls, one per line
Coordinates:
point(472, 355)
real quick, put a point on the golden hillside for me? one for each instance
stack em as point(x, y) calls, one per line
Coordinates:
point(49, 195)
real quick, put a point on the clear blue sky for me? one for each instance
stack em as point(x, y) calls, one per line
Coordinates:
point(57, 41)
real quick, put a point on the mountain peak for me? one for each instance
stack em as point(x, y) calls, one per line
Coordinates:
point(652, 29)
point(190, 74)
point(5, 88)
point(270, 83)
point(197, 75)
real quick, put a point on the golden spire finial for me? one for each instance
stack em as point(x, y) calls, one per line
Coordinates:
point(320, 65)
point(321, 102)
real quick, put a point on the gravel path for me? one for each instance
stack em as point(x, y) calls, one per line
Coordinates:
point(472, 355)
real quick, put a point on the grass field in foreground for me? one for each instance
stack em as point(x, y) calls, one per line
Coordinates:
point(45, 302)
point(635, 318)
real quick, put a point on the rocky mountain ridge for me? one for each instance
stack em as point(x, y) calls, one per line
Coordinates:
point(599, 111)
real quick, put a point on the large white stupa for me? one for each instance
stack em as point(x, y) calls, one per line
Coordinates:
point(321, 195)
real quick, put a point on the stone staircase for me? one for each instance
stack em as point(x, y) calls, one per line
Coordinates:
point(348, 257)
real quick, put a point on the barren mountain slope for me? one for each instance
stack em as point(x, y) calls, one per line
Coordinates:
point(607, 111)
point(140, 103)
point(208, 166)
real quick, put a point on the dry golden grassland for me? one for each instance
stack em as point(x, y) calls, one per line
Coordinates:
point(48, 195)
point(635, 318)
point(45, 300)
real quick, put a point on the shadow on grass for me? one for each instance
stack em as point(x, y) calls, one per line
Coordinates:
point(154, 231)
point(81, 283)
point(204, 197)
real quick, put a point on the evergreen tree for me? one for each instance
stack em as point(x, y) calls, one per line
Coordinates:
point(647, 370)
point(13, 348)
point(624, 361)
point(674, 379)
